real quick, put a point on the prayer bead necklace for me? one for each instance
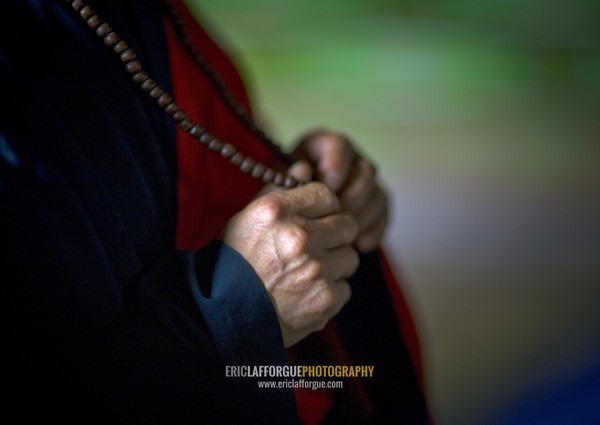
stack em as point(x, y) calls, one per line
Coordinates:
point(165, 100)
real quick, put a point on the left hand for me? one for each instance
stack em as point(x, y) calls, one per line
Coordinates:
point(353, 179)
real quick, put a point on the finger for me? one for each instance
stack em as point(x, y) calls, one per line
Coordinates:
point(374, 210)
point(333, 155)
point(332, 231)
point(371, 238)
point(301, 171)
point(312, 200)
point(359, 188)
point(343, 293)
point(340, 263)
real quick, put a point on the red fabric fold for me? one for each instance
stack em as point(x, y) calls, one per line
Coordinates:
point(210, 188)
point(405, 319)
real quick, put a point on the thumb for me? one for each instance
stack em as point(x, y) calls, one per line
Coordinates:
point(333, 155)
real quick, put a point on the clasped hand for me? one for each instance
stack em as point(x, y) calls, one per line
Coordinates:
point(303, 242)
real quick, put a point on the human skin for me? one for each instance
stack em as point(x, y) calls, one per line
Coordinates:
point(352, 178)
point(303, 242)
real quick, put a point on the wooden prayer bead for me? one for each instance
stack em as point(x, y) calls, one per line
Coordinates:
point(227, 150)
point(247, 165)
point(111, 39)
point(133, 67)
point(196, 131)
point(164, 99)
point(103, 29)
point(121, 46)
point(127, 56)
point(258, 170)
point(93, 21)
point(237, 158)
point(179, 116)
point(148, 84)
point(86, 12)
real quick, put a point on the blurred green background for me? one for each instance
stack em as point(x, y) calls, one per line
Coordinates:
point(484, 118)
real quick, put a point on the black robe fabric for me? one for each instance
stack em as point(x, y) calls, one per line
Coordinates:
point(102, 319)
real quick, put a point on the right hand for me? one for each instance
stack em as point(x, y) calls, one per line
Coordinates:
point(300, 246)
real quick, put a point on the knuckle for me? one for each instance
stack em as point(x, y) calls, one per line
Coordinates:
point(327, 301)
point(270, 208)
point(326, 196)
point(296, 239)
point(314, 270)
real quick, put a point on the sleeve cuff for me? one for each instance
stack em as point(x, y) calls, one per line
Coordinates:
point(237, 308)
